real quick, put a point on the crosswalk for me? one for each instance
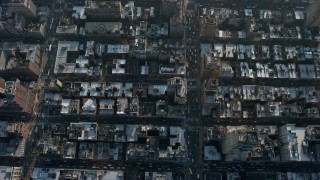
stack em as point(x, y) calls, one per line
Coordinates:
point(21, 149)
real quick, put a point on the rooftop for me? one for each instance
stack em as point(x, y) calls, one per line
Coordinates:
point(119, 66)
point(31, 51)
point(71, 29)
point(83, 131)
point(157, 89)
point(102, 4)
point(211, 153)
point(50, 174)
point(117, 89)
point(102, 27)
point(79, 12)
point(61, 64)
point(89, 106)
point(106, 106)
point(117, 48)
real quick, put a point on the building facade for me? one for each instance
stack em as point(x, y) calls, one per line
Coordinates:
point(313, 14)
point(18, 101)
point(18, 60)
point(24, 7)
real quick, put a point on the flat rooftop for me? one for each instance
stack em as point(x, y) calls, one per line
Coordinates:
point(61, 65)
point(102, 27)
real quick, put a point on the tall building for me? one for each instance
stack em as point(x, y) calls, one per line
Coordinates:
point(207, 28)
point(210, 65)
point(2, 86)
point(176, 29)
point(313, 14)
point(209, 103)
point(24, 7)
point(177, 87)
point(230, 141)
point(168, 10)
point(16, 27)
point(36, 31)
point(18, 100)
point(19, 60)
point(245, 144)
point(13, 27)
point(12, 173)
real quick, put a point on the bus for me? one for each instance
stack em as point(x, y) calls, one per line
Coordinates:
point(190, 170)
point(51, 24)
point(50, 47)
